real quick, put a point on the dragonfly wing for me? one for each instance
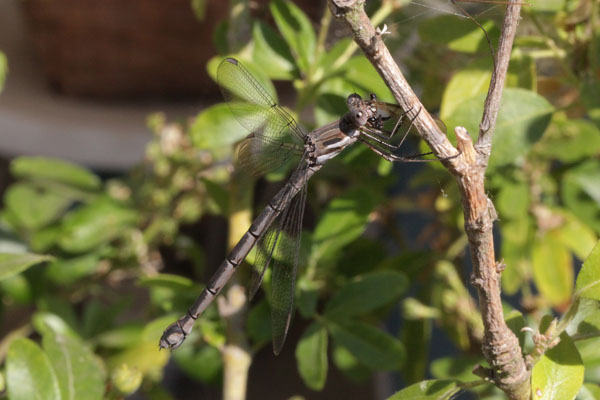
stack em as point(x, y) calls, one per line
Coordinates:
point(259, 155)
point(283, 281)
point(252, 105)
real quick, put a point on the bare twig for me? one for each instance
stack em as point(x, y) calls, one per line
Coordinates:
point(500, 346)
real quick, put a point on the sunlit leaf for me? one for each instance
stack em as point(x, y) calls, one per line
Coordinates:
point(311, 356)
point(428, 390)
point(559, 373)
point(590, 96)
point(43, 168)
point(367, 292)
point(589, 391)
point(12, 264)
point(522, 119)
point(458, 36)
point(79, 374)
point(570, 140)
point(588, 280)
point(552, 269)
point(29, 373)
point(464, 84)
point(272, 53)
point(297, 30)
point(215, 127)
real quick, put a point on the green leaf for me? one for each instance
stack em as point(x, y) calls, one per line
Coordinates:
point(428, 390)
point(570, 140)
point(67, 271)
point(365, 293)
point(371, 346)
point(94, 224)
point(513, 200)
point(29, 374)
point(349, 365)
point(52, 169)
point(79, 374)
point(579, 192)
point(590, 96)
point(456, 367)
point(35, 207)
point(589, 391)
point(361, 73)
point(458, 36)
point(311, 356)
point(523, 118)
point(342, 222)
point(464, 84)
point(559, 373)
point(3, 70)
point(258, 324)
point(296, 29)
point(552, 269)
point(588, 280)
point(216, 127)
point(574, 234)
point(271, 52)
point(12, 264)
point(203, 364)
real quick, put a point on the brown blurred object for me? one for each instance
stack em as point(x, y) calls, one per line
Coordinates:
point(124, 49)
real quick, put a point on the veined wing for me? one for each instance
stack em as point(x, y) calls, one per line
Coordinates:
point(281, 245)
point(252, 105)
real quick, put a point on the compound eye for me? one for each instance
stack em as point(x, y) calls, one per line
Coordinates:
point(359, 114)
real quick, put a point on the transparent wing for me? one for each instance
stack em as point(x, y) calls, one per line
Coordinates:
point(276, 136)
point(259, 155)
point(252, 105)
point(281, 244)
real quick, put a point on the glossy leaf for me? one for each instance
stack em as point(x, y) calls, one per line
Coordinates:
point(428, 390)
point(311, 356)
point(35, 207)
point(79, 374)
point(371, 346)
point(588, 280)
point(297, 30)
point(365, 293)
point(559, 373)
point(29, 374)
point(12, 264)
point(522, 119)
point(271, 52)
point(216, 127)
point(458, 36)
point(361, 74)
point(552, 269)
point(94, 224)
point(43, 168)
point(464, 84)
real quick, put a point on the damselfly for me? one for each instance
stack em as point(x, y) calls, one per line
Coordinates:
point(276, 138)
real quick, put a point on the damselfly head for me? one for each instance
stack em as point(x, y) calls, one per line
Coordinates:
point(358, 110)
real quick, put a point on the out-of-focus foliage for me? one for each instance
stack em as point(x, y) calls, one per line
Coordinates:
point(80, 251)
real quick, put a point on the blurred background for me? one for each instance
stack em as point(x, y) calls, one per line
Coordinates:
point(120, 195)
